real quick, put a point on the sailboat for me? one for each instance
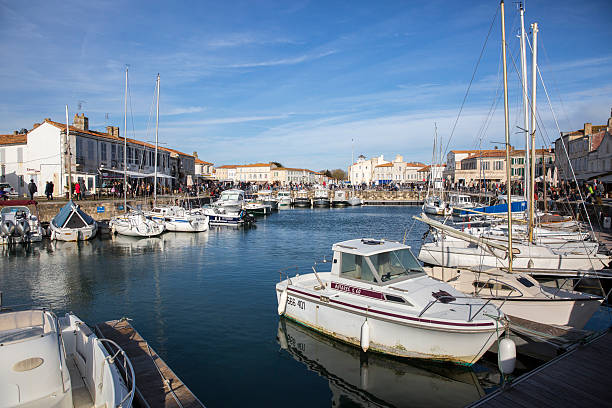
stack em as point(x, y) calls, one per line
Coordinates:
point(517, 295)
point(72, 223)
point(134, 223)
point(434, 203)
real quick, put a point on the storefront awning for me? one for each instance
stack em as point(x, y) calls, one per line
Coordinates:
point(136, 174)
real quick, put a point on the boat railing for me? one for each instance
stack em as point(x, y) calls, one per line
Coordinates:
point(446, 299)
point(489, 284)
point(125, 368)
point(286, 272)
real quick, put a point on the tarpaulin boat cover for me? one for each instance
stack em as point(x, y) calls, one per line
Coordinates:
point(63, 219)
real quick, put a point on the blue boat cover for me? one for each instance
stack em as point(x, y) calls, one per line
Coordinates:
point(64, 215)
point(517, 206)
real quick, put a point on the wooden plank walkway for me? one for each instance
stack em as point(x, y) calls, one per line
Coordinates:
point(578, 378)
point(156, 384)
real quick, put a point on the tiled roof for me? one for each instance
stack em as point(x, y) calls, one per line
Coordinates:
point(426, 168)
point(385, 165)
point(228, 166)
point(13, 139)
point(254, 165)
point(198, 161)
point(73, 129)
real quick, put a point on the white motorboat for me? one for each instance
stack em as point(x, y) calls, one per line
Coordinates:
point(265, 197)
point(321, 198)
point(377, 296)
point(284, 198)
point(436, 206)
point(18, 224)
point(221, 217)
point(519, 295)
point(256, 208)
point(340, 199)
point(178, 219)
point(460, 202)
point(46, 361)
point(72, 224)
point(302, 200)
point(355, 201)
point(135, 224)
point(231, 200)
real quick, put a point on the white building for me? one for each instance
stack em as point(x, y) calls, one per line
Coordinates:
point(14, 163)
point(362, 172)
point(254, 173)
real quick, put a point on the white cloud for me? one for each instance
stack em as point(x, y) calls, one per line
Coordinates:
point(284, 61)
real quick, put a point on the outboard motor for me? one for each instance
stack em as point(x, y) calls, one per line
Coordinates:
point(22, 228)
point(7, 228)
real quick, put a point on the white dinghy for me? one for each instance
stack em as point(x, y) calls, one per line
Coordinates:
point(378, 297)
point(72, 224)
point(135, 224)
point(47, 361)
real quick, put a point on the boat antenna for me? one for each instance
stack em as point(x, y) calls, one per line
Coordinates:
point(507, 132)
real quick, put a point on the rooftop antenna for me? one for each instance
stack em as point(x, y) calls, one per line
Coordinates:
point(80, 104)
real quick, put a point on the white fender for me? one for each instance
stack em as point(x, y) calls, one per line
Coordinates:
point(363, 375)
point(282, 302)
point(282, 338)
point(507, 356)
point(365, 336)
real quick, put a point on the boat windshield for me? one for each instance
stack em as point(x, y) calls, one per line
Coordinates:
point(230, 196)
point(396, 264)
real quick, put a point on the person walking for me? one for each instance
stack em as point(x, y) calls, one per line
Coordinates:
point(77, 191)
point(49, 190)
point(32, 189)
point(83, 189)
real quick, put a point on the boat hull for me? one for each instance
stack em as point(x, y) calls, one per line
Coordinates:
point(302, 203)
point(73, 234)
point(451, 256)
point(341, 203)
point(388, 336)
point(321, 202)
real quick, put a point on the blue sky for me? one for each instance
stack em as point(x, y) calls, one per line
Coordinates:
point(296, 81)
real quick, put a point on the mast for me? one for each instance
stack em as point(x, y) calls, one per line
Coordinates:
point(507, 131)
point(69, 157)
point(125, 144)
point(526, 178)
point(534, 88)
point(156, 143)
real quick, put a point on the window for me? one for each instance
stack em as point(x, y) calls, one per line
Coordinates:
point(113, 152)
point(485, 165)
point(356, 267)
point(396, 264)
point(79, 150)
point(2, 156)
point(20, 155)
point(103, 151)
point(20, 181)
point(498, 165)
point(90, 149)
point(2, 173)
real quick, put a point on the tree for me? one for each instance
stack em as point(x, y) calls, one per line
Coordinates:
point(277, 164)
point(338, 174)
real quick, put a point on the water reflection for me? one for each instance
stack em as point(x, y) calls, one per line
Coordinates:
point(375, 380)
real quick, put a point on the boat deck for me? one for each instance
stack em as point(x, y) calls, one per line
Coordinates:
point(156, 384)
point(579, 378)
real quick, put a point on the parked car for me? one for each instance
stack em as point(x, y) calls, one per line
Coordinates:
point(7, 191)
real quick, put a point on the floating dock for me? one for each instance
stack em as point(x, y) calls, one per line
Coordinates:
point(392, 202)
point(156, 384)
point(578, 378)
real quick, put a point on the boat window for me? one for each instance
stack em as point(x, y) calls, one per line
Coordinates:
point(526, 282)
point(356, 267)
point(392, 298)
point(396, 264)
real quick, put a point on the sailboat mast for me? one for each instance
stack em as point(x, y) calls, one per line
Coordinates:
point(156, 143)
point(125, 144)
point(534, 88)
point(69, 157)
point(526, 178)
point(507, 131)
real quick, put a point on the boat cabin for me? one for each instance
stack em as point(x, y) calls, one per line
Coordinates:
point(321, 193)
point(374, 261)
point(460, 200)
point(231, 195)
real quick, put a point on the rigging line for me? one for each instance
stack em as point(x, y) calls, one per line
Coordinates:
point(471, 81)
point(569, 162)
point(150, 119)
point(32, 160)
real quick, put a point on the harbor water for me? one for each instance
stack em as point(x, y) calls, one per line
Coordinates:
point(206, 303)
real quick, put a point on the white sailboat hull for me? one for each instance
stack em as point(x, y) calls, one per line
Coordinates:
point(452, 254)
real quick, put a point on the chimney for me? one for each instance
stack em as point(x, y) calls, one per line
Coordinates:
point(35, 126)
point(195, 154)
point(588, 129)
point(15, 132)
point(609, 129)
point(112, 131)
point(81, 121)
point(495, 147)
